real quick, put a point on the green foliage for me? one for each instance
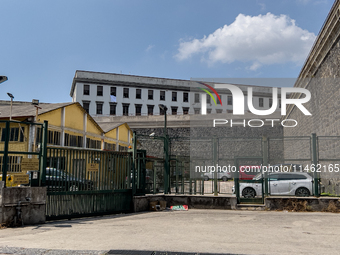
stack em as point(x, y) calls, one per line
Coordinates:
point(328, 194)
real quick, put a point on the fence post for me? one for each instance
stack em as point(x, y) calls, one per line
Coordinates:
point(5, 162)
point(43, 160)
point(177, 174)
point(154, 169)
point(265, 163)
point(134, 155)
point(141, 172)
point(236, 179)
point(315, 162)
point(182, 179)
point(167, 189)
point(215, 160)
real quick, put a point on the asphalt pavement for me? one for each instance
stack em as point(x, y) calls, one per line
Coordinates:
point(193, 231)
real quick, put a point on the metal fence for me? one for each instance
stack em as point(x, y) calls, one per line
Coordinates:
point(87, 182)
point(328, 164)
point(300, 153)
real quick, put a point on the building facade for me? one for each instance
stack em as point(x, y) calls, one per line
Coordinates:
point(69, 125)
point(109, 94)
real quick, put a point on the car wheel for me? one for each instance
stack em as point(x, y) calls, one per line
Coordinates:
point(302, 192)
point(248, 193)
point(224, 178)
point(74, 188)
point(206, 178)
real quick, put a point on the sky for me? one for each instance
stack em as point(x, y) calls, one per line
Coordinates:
point(43, 43)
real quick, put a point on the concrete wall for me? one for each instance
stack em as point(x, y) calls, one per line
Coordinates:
point(322, 204)
point(30, 200)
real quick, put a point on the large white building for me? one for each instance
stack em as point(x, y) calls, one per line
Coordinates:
point(109, 94)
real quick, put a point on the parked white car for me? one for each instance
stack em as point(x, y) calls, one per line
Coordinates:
point(295, 184)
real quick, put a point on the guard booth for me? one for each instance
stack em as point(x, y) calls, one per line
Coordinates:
point(250, 180)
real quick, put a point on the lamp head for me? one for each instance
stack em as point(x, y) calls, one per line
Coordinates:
point(35, 101)
point(163, 107)
point(3, 78)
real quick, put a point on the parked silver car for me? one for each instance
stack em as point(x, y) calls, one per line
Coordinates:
point(296, 184)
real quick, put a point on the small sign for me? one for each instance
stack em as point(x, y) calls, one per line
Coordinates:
point(92, 167)
point(28, 164)
point(20, 179)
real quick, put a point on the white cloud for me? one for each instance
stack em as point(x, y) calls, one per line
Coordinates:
point(149, 47)
point(255, 66)
point(321, 2)
point(315, 2)
point(303, 1)
point(261, 40)
point(263, 6)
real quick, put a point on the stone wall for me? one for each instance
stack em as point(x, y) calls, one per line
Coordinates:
point(325, 120)
point(185, 141)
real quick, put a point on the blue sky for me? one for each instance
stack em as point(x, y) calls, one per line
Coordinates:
point(43, 42)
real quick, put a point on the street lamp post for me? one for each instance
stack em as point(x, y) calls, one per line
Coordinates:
point(166, 152)
point(35, 103)
point(11, 96)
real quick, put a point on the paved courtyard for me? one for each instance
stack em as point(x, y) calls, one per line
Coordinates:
point(209, 231)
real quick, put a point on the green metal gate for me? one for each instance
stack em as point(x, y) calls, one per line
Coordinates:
point(187, 165)
point(87, 182)
point(243, 184)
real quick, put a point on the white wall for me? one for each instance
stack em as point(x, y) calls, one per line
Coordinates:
point(93, 98)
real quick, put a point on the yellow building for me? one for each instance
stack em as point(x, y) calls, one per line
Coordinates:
point(69, 125)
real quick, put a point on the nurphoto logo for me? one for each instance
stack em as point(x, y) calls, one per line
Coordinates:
point(238, 104)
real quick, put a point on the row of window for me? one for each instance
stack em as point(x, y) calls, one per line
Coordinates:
point(53, 137)
point(150, 109)
point(93, 144)
point(16, 134)
point(14, 163)
point(162, 96)
point(113, 92)
point(138, 109)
